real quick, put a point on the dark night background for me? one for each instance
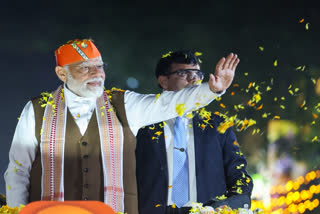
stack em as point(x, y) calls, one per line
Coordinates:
point(132, 36)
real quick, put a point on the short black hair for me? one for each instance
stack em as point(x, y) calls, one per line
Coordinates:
point(180, 57)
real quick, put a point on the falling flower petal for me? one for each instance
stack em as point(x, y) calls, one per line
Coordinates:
point(301, 20)
point(261, 48)
point(222, 197)
point(157, 96)
point(235, 85)
point(260, 107)
point(240, 166)
point(314, 139)
point(158, 205)
point(197, 53)
point(291, 92)
point(17, 162)
point(315, 116)
point(167, 54)
point(180, 108)
point(307, 26)
point(158, 133)
point(275, 63)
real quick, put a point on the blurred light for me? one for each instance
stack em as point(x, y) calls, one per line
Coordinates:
point(304, 195)
point(312, 175)
point(289, 186)
point(300, 180)
point(313, 189)
point(296, 185)
point(132, 82)
point(296, 196)
point(307, 204)
point(301, 208)
point(292, 208)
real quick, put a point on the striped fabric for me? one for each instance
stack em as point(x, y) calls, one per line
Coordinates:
point(53, 143)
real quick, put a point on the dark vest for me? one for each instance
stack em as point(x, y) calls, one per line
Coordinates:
point(83, 173)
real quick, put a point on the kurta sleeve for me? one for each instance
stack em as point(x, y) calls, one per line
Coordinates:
point(21, 156)
point(142, 110)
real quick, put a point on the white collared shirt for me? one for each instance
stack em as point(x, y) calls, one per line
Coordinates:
point(141, 110)
point(169, 140)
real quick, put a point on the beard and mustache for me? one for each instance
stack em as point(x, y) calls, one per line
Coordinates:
point(83, 89)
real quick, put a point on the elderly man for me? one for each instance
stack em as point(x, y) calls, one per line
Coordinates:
point(78, 142)
point(186, 159)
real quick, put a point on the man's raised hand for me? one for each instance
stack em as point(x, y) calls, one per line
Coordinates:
point(223, 76)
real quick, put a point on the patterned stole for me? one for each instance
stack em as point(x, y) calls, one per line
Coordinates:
point(52, 150)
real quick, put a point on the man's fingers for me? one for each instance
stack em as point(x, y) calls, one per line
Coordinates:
point(234, 58)
point(235, 64)
point(228, 60)
point(220, 64)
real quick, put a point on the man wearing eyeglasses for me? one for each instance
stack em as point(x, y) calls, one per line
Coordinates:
point(78, 142)
point(182, 161)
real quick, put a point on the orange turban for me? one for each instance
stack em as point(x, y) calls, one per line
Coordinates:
point(75, 51)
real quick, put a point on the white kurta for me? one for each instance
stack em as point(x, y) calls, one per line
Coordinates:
point(141, 110)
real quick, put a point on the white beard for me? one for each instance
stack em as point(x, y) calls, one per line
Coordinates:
point(81, 88)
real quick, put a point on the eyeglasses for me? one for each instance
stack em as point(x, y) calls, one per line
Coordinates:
point(86, 68)
point(188, 73)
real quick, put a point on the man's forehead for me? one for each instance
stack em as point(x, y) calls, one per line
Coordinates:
point(88, 62)
point(178, 66)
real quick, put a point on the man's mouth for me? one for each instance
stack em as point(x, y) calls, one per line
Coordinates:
point(94, 83)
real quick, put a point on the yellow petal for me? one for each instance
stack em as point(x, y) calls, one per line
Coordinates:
point(173, 205)
point(17, 162)
point(275, 63)
point(314, 139)
point(157, 96)
point(307, 26)
point(291, 92)
point(246, 74)
point(158, 133)
point(158, 205)
point(260, 107)
point(276, 117)
point(197, 53)
point(180, 108)
point(261, 48)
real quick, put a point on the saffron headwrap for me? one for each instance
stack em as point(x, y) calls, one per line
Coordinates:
point(52, 150)
point(75, 51)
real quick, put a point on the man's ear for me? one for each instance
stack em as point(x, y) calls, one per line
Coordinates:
point(163, 82)
point(61, 73)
